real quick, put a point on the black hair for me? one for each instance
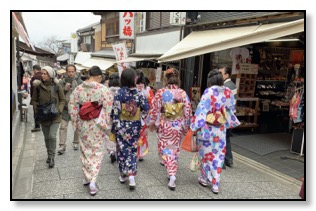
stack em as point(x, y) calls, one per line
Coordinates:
point(128, 78)
point(37, 67)
point(114, 80)
point(71, 65)
point(95, 71)
point(172, 76)
point(227, 70)
point(215, 77)
point(141, 79)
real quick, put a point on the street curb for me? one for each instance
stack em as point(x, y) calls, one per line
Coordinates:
point(266, 169)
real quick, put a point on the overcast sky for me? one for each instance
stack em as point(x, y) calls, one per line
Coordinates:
point(41, 25)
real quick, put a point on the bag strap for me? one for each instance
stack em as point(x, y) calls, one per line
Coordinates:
point(52, 91)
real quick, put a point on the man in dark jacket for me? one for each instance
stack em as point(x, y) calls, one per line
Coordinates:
point(37, 75)
point(226, 73)
point(68, 83)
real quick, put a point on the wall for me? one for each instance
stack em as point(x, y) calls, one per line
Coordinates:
point(97, 38)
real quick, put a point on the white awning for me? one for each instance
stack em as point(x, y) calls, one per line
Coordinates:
point(79, 67)
point(135, 59)
point(202, 42)
point(101, 62)
point(63, 57)
point(81, 57)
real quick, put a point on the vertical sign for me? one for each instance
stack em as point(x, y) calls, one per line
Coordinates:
point(158, 74)
point(177, 18)
point(127, 25)
point(120, 54)
point(74, 43)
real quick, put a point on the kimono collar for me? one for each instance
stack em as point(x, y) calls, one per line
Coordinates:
point(172, 86)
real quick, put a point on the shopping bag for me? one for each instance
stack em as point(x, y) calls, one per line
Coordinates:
point(189, 142)
point(195, 163)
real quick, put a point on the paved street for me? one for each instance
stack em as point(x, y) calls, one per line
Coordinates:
point(246, 180)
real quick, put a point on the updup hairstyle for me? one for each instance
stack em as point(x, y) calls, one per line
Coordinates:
point(114, 80)
point(215, 77)
point(95, 71)
point(141, 79)
point(172, 76)
point(128, 78)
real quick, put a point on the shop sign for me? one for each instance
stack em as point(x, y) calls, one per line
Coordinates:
point(177, 18)
point(120, 52)
point(247, 68)
point(127, 25)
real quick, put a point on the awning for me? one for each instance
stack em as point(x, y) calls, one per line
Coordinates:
point(81, 57)
point(63, 57)
point(135, 59)
point(21, 31)
point(79, 67)
point(101, 62)
point(202, 42)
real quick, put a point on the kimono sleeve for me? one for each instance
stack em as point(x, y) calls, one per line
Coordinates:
point(154, 114)
point(105, 117)
point(187, 111)
point(198, 120)
point(116, 112)
point(232, 120)
point(73, 108)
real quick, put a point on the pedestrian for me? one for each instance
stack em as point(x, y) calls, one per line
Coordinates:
point(170, 115)
point(48, 91)
point(214, 113)
point(142, 86)
point(37, 75)
point(226, 73)
point(91, 125)
point(114, 86)
point(25, 83)
point(68, 83)
point(128, 106)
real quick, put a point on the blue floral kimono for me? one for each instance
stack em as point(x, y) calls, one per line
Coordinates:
point(127, 129)
point(211, 140)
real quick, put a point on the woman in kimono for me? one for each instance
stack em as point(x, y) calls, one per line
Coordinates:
point(128, 107)
point(170, 114)
point(211, 132)
point(141, 84)
point(92, 132)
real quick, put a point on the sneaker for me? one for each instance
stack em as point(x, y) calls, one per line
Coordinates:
point(172, 184)
point(76, 146)
point(202, 181)
point(112, 156)
point(123, 179)
point(36, 129)
point(132, 183)
point(61, 150)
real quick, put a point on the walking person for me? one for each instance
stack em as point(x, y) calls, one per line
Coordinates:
point(91, 124)
point(141, 84)
point(226, 73)
point(48, 91)
point(68, 83)
point(128, 107)
point(37, 75)
point(214, 113)
point(170, 114)
point(114, 86)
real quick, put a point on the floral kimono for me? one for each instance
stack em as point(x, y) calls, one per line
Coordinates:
point(142, 148)
point(171, 112)
point(211, 140)
point(128, 106)
point(92, 132)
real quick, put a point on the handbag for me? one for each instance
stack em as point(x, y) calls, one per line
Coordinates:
point(47, 111)
point(195, 163)
point(90, 110)
point(189, 142)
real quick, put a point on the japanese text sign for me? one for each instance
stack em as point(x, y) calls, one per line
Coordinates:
point(127, 25)
point(120, 54)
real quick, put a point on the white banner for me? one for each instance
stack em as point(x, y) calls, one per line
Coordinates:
point(120, 53)
point(127, 30)
point(158, 74)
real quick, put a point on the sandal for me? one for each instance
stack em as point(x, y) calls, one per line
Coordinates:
point(202, 182)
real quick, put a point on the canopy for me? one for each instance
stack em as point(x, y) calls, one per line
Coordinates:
point(135, 59)
point(101, 62)
point(202, 42)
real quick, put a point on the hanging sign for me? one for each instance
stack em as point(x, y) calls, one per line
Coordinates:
point(120, 54)
point(127, 25)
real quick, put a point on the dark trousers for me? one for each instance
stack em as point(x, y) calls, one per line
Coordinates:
point(229, 154)
point(37, 124)
point(50, 132)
